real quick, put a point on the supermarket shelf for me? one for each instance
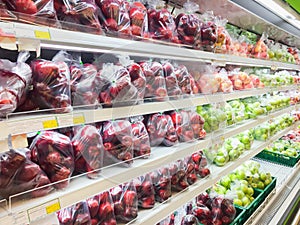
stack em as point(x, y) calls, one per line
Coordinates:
point(82, 188)
point(63, 39)
point(18, 123)
point(157, 214)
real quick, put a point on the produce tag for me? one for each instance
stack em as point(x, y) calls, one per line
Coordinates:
point(78, 119)
point(20, 218)
point(42, 34)
point(43, 210)
point(19, 141)
point(51, 123)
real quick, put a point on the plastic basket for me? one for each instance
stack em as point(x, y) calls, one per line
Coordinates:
point(278, 158)
point(239, 217)
point(267, 190)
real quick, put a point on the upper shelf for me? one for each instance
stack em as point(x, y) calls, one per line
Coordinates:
point(30, 37)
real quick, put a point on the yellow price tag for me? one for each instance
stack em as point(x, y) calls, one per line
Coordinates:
point(53, 208)
point(78, 119)
point(42, 34)
point(50, 124)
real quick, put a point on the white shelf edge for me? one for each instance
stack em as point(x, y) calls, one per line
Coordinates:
point(19, 124)
point(82, 187)
point(161, 211)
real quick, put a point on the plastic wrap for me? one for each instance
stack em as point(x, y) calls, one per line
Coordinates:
point(182, 124)
point(138, 19)
point(162, 184)
point(208, 32)
point(190, 170)
point(145, 191)
point(78, 12)
point(223, 43)
point(53, 152)
point(200, 164)
point(125, 202)
point(101, 209)
point(184, 80)
point(14, 79)
point(261, 132)
point(206, 80)
point(260, 49)
point(197, 124)
point(173, 89)
point(88, 150)
point(156, 89)
point(225, 84)
point(141, 141)
point(77, 214)
point(240, 80)
point(178, 176)
point(19, 174)
point(51, 83)
point(118, 142)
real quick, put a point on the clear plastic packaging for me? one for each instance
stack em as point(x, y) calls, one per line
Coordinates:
point(173, 89)
point(162, 184)
point(260, 49)
point(145, 191)
point(208, 32)
point(178, 176)
point(184, 80)
point(138, 19)
point(197, 124)
point(77, 214)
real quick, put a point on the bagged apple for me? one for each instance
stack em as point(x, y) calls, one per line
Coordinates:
point(77, 214)
point(184, 80)
point(161, 23)
point(170, 220)
point(206, 80)
point(115, 16)
point(225, 84)
point(161, 180)
point(260, 49)
point(188, 25)
point(118, 142)
point(173, 89)
point(208, 32)
point(53, 152)
point(145, 191)
point(19, 174)
point(117, 89)
point(182, 124)
point(200, 164)
point(194, 87)
point(88, 150)
point(197, 124)
point(223, 43)
point(125, 201)
point(190, 170)
point(78, 15)
point(51, 83)
point(156, 89)
point(240, 80)
point(138, 19)
point(101, 209)
point(14, 80)
point(141, 141)
point(178, 176)
point(222, 210)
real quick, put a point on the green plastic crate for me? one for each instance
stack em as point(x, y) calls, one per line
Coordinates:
point(278, 158)
point(239, 217)
point(267, 190)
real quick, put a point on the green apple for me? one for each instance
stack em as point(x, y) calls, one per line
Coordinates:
point(260, 185)
point(240, 194)
point(245, 201)
point(240, 174)
point(225, 181)
point(237, 202)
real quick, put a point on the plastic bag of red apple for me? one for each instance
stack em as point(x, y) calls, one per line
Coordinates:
point(77, 214)
point(117, 88)
point(145, 191)
point(141, 140)
point(51, 83)
point(190, 170)
point(78, 15)
point(223, 43)
point(188, 25)
point(125, 201)
point(53, 152)
point(118, 142)
point(156, 89)
point(173, 89)
point(14, 80)
point(200, 164)
point(295, 53)
point(182, 123)
point(161, 130)
point(240, 79)
point(88, 150)
point(260, 49)
point(178, 176)
point(197, 123)
point(101, 209)
point(161, 22)
point(225, 84)
point(170, 220)
point(161, 180)
point(205, 78)
point(208, 31)
point(138, 18)
point(20, 174)
point(184, 80)
point(115, 17)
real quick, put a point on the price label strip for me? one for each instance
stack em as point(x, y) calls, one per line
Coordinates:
point(42, 34)
point(50, 123)
point(78, 119)
point(43, 210)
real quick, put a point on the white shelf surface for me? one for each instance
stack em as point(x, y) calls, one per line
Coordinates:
point(71, 40)
point(82, 187)
point(18, 123)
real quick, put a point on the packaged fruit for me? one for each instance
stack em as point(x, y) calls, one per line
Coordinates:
point(197, 123)
point(184, 80)
point(260, 49)
point(161, 180)
point(173, 88)
point(138, 19)
point(246, 138)
point(145, 191)
point(178, 176)
point(239, 110)
point(240, 80)
point(76, 214)
point(208, 32)
point(206, 80)
point(261, 132)
point(200, 164)
point(225, 84)
point(253, 108)
point(224, 42)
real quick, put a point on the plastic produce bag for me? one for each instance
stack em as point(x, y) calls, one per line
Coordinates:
point(78, 15)
point(184, 80)
point(77, 214)
point(206, 80)
point(51, 83)
point(190, 170)
point(88, 150)
point(208, 32)
point(178, 176)
point(162, 184)
point(224, 42)
point(200, 164)
point(145, 191)
point(225, 84)
point(173, 89)
point(141, 141)
point(19, 174)
point(117, 90)
point(118, 142)
point(125, 202)
point(53, 152)
point(197, 124)
point(115, 16)
point(260, 49)
point(14, 80)
point(138, 19)
point(188, 25)
point(101, 209)
point(156, 89)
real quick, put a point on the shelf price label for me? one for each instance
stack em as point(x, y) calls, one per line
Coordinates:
point(43, 210)
point(53, 207)
point(50, 123)
point(42, 34)
point(78, 119)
